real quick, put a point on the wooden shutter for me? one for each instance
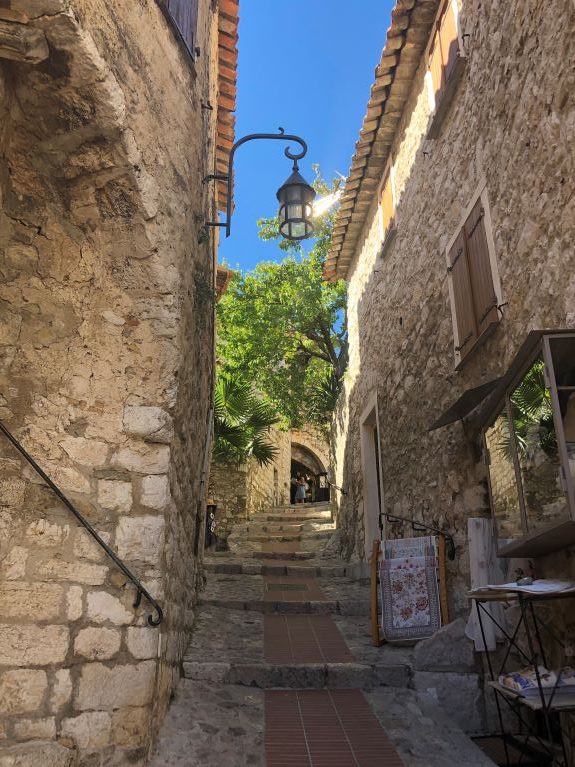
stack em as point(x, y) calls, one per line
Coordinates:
point(184, 14)
point(462, 296)
point(449, 41)
point(386, 203)
point(444, 50)
point(436, 66)
point(484, 298)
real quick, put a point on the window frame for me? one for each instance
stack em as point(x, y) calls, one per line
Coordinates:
point(559, 533)
point(480, 194)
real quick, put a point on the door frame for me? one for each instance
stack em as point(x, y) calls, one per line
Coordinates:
point(372, 475)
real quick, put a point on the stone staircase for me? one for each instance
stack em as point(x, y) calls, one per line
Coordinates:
point(279, 618)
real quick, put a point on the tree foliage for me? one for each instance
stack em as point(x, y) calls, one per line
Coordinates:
point(241, 423)
point(284, 329)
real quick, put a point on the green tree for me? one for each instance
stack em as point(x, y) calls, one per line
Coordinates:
point(283, 328)
point(241, 423)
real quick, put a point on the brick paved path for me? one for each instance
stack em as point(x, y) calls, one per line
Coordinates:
point(280, 671)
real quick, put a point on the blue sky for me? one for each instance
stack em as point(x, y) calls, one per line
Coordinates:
point(306, 65)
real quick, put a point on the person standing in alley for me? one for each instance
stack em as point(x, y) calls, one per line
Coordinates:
point(300, 489)
point(292, 490)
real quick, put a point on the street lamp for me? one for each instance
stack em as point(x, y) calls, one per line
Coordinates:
point(296, 198)
point(295, 195)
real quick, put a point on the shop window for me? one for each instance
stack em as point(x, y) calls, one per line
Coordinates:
point(184, 17)
point(473, 285)
point(530, 445)
point(446, 62)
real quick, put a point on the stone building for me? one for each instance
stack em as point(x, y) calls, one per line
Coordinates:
point(111, 116)
point(455, 234)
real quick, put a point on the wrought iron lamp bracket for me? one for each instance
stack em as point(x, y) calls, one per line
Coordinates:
point(229, 176)
point(421, 527)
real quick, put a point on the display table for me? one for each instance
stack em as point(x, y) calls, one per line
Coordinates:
point(547, 702)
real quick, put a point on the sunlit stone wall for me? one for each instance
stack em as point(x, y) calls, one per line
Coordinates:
point(106, 324)
point(511, 123)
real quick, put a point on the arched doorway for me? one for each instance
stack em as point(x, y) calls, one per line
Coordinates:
point(305, 462)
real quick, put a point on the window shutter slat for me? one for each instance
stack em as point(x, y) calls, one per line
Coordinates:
point(485, 300)
point(462, 295)
point(449, 41)
point(387, 205)
point(185, 16)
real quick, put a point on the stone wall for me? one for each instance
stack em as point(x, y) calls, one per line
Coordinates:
point(511, 123)
point(106, 326)
point(240, 491)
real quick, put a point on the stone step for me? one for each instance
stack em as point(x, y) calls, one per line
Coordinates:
point(290, 507)
point(297, 675)
point(286, 555)
point(313, 535)
point(325, 607)
point(343, 570)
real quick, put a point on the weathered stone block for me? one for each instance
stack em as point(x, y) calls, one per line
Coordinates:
point(35, 729)
point(32, 645)
point(22, 691)
point(141, 539)
point(37, 755)
point(74, 603)
point(458, 694)
point(97, 643)
point(14, 565)
point(102, 687)
point(151, 423)
point(147, 459)
point(85, 547)
point(61, 689)
point(447, 650)
point(39, 601)
point(115, 495)
point(12, 490)
point(89, 730)
point(155, 491)
point(58, 570)
point(104, 607)
point(130, 726)
point(41, 532)
point(86, 452)
point(142, 642)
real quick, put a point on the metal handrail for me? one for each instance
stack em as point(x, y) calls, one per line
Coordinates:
point(140, 590)
point(419, 527)
point(336, 487)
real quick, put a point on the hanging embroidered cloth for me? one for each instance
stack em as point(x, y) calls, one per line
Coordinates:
point(409, 590)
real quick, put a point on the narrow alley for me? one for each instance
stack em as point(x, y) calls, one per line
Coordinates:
point(280, 670)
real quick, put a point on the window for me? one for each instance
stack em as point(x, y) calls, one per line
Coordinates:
point(446, 61)
point(530, 447)
point(473, 284)
point(184, 15)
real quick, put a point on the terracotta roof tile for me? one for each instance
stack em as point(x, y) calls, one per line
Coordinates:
point(226, 103)
point(411, 22)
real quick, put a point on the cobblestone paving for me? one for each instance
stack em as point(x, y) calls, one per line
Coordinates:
point(292, 679)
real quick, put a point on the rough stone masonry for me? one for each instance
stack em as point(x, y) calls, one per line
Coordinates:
point(106, 327)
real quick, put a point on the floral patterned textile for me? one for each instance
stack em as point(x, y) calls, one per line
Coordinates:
point(410, 598)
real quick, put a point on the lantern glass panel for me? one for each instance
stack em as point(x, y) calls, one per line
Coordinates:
point(294, 211)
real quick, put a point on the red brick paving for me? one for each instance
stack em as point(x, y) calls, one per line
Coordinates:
point(303, 639)
point(307, 591)
point(324, 728)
